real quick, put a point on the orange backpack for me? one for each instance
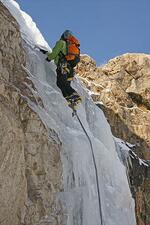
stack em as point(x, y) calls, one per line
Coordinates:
point(73, 50)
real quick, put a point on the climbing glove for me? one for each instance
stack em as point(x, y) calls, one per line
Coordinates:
point(47, 59)
point(43, 51)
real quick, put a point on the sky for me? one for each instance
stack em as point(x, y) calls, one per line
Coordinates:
point(105, 28)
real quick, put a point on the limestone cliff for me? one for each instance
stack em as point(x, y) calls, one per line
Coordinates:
point(122, 89)
point(30, 165)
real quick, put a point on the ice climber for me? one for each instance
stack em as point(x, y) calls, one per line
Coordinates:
point(66, 55)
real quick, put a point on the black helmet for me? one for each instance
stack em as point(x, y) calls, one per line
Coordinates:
point(66, 34)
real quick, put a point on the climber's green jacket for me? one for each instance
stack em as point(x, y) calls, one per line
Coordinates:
point(60, 47)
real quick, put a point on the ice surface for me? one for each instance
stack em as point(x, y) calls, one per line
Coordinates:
point(80, 191)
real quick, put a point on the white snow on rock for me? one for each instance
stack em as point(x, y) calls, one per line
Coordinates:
point(126, 147)
point(80, 196)
point(28, 28)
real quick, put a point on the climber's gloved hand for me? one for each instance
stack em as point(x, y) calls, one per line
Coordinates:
point(48, 60)
point(43, 51)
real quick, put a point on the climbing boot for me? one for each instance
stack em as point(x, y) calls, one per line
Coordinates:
point(76, 98)
point(73, 100)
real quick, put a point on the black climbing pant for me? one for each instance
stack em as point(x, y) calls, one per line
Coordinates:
point(64, 84)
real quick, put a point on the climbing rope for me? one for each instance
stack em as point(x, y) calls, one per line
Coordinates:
point(96, 171)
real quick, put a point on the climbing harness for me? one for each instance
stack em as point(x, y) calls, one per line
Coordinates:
point(94, 161)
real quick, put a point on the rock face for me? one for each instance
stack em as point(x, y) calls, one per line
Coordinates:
point(30, 165)
point(122, 89)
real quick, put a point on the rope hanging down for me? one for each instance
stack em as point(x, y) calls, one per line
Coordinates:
point(96, 171)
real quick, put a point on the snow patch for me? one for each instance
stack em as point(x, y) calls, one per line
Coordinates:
point(127, 147)
point(28, 28)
